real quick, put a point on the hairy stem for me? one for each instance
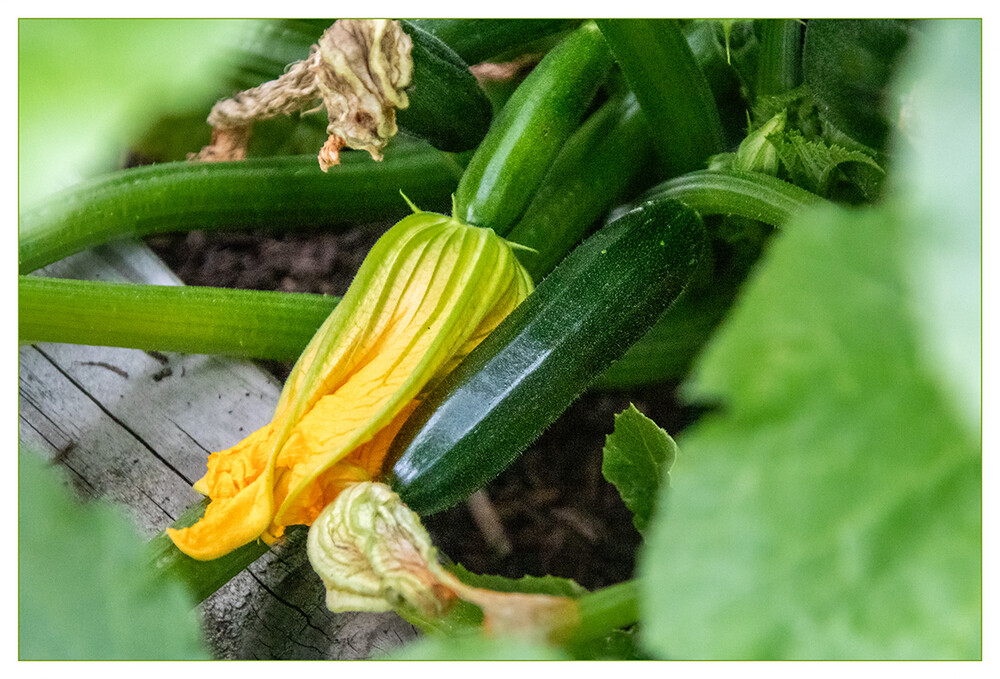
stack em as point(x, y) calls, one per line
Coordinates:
point(734, 192)
point(197, 320)
point(267, 193)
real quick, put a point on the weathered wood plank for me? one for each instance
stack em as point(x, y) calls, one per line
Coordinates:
point(135, 428)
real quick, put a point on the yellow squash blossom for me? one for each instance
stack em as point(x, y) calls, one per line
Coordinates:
point(429, 291)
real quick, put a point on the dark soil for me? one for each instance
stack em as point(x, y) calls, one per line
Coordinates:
point(551, 512)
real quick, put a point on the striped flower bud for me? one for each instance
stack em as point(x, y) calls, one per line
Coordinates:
point(756, 153)
point(428, 292)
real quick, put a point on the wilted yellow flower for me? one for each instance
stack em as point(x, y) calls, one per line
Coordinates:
point(429, 291)
point(373, 554)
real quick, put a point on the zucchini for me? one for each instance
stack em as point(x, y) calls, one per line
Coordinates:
point(604, 296)
point(591, 174)
point(478, 40)
point(671, 87)
point(447, 107)
point(530, 130)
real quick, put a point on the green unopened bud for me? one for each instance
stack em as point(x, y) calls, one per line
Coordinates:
point(757, 153)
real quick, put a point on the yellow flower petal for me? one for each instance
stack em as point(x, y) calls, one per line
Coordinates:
point(229, 522)
point(430, 290)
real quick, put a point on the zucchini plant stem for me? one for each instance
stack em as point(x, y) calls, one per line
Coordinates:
point(734, 192)
point(197, 320)
point(278, 325)
point(201, 578)
point(274, 193)
point(606, 610)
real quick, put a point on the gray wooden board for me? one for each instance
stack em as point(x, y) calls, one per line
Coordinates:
point(134, 428)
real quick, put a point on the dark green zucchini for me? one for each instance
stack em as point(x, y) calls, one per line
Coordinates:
point(529, 132)
point(478, 40)
point(603, 297)
point(447, 107)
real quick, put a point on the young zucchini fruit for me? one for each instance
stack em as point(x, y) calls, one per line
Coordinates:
point(598, 164)
point(603, 297)
point(506, 169)
point(447, 107)
point(478, 40)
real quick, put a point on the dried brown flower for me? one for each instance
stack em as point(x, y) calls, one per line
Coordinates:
point(358, 72)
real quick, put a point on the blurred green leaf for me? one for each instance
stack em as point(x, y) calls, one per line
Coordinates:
point(939, 181)
point(86, 86)
point(85, 590)
point(637, 459)
point(831, 509)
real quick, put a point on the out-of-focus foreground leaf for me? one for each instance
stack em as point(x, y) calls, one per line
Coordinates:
point(831, 507)
point(940, 186)
point(85, 589)
point(85, 86)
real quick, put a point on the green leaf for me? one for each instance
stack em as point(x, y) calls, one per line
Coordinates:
point(813, 163)
point(637, 459)
point(831, 507)
point(529, 584)
point(618, 645)
point(85, 591)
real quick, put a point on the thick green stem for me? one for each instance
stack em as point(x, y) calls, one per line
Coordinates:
point(197, 320)
point(734, 192)
point(671, 88)
point(269, 193)
point(202, 578)
point(606, 610)
point(779, 68)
